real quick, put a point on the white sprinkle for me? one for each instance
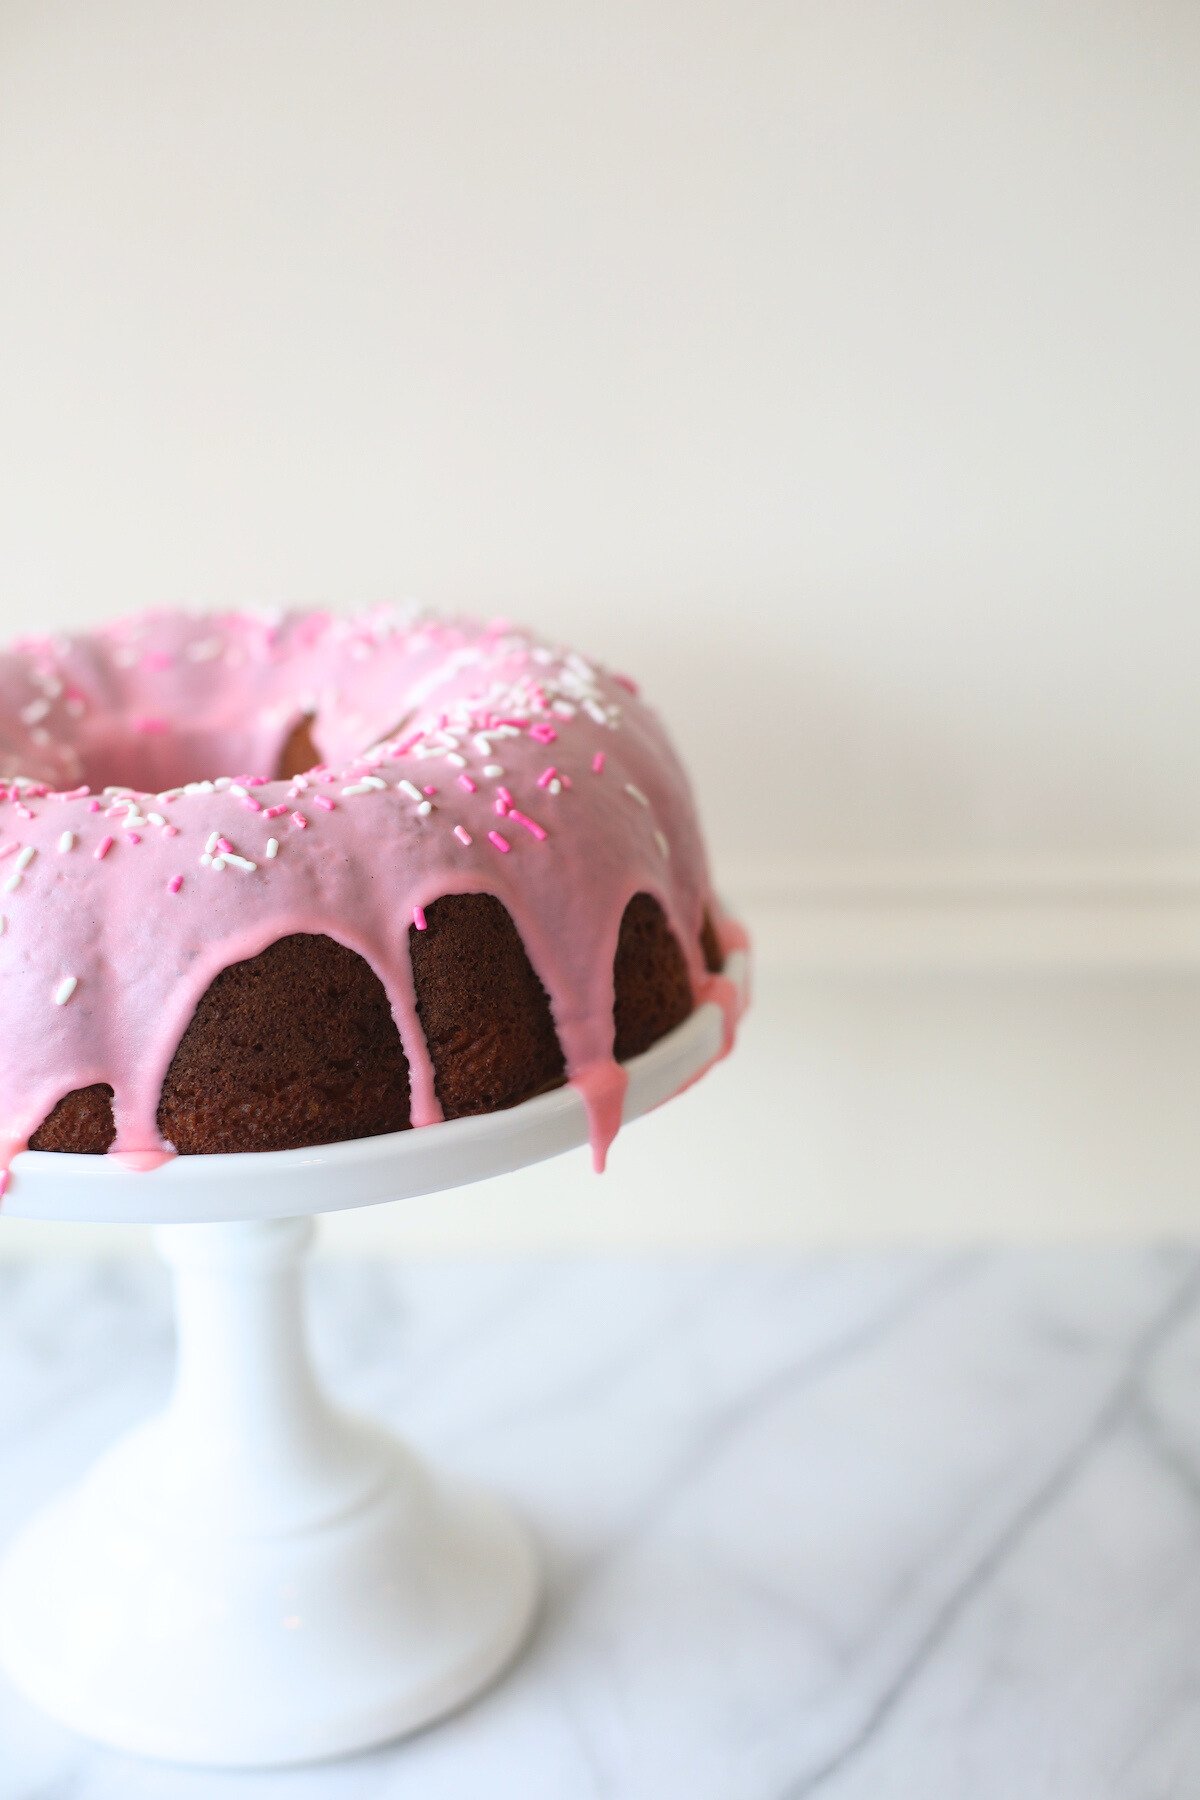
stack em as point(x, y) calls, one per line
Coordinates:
point(636, 793)
point(595, 711)
point(411, 789)
point(452, 756)
point(554, 787)
point(35, 712)
point(239, 862)
point(272, 848)
point(222, 782)
point(214, 838)
point(482, 742)
point(425, 808)
point(204, 649)
point(217, 863)
point(661, 840)
point(356, 787)
point(13, 882)
point(65, 989)
point(493, 771)
point(375, 781)
point(26, 856)
point(66, 842)
point(155, 818)
point(235, 787)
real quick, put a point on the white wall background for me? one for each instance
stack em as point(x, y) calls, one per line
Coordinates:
point(833, 366)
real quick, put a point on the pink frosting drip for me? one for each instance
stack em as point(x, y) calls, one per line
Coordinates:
point(499, 764)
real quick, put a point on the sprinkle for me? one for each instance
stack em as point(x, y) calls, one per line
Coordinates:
point(155, 818)
point(7, 849)
point(66, 842)
point(175, 883)
point(3, 924)
point(274, 812)
point(555, 786)
point(299, 821)
point(419, 917)
point(170, 831)
point(272, 848)
point(462, 834)
point(635, 793)
point(410, 788)
point(13, 882)
point(531, 825)
point(501, 805)
point(224, 846)
point(324, 802)
point(544, 734)
point(661, 840)
point(102, 848)
point(149, 727)
point(205, 860)
point(492, 770)
point(214, 838)
point(356, 787)
point(598, 763)
point(464, 781)
point(217, 863)
point(502, 844)
point(452, 756)
point(65, 989)
point(425, 808)
point(235, 787)
point(3, 1182)
point(26, 857)
point(239, 862)
point(134, 837)
point(253, 805)
point(24, 811)
point(547, 776)
point(429, 791)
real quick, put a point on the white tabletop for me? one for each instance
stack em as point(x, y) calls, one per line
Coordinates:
point(869, 1528)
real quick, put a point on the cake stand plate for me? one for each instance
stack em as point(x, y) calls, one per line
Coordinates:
point(258, 1577)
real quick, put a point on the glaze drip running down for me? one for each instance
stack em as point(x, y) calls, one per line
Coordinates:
point(456, 758)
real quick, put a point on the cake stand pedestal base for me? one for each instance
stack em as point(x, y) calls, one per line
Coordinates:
point(255, 1577)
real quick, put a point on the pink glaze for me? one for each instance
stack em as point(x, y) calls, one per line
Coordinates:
point(100, 971)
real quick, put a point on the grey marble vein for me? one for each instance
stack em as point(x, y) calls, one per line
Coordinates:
point(877, 1527)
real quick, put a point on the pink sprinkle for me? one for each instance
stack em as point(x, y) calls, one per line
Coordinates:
point(419, 917)
point(299, 821)
point(175, 883)
point(255, 781)
point(501, 844)
point(156, 659)
point(547, 776)
point(170, 831)
point(94, 806)
point(324, 802)
point(431, 791)
point(134, 837)
point(531, 825)
point(274, 812)
point(505, 795)
point(627, 682)
point(464, 781)
point(545, 734)
point(224, 845)
point(7, 849)
point(463, 836)
point(251, 804)
point(598, 763)
point(150, 727)
point(501, 805)
point(24, 811)
point(103, 848)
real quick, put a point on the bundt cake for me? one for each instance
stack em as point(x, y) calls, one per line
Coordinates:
point(458, 867)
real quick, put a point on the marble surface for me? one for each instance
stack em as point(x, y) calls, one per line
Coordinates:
point(869, 1527)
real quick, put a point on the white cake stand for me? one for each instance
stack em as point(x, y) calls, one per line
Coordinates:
point(257, 1577)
